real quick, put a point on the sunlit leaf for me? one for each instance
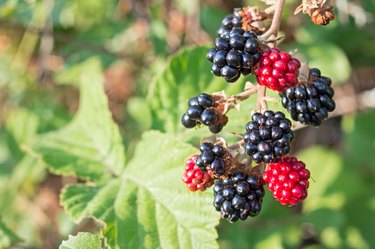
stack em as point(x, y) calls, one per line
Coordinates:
point(91, 145)
point(82, 241)
point(149, 206)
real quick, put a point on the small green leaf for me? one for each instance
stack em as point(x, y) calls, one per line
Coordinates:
point(149, 206)
point(91, 145)
point(82, 241)
point(7, 237)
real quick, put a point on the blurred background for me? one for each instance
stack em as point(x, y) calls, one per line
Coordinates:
point(42, 39)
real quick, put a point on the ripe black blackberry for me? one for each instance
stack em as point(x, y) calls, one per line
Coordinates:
point(234, 55)
point(230, 22)
point(268, 136)
point(309, 104)
point(211, 156)
point(239, 196)
point(201, 111)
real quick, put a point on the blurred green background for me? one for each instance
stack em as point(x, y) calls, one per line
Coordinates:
point(43, 42)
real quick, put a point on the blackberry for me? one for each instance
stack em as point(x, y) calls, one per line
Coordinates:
point(268, 136)
point(201, 111)
point(310, 104)
point(230, 22)
point(211, 156)
point(235, 54)
point(239, 196)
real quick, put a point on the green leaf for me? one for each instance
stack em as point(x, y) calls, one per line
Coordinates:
point(325, 166)
point(326, 56)
point(91, 145)
point(7, 237)
point(82, 241)
point(81, 200)
point(21, 125)
point(210, 18)
point(149, 206)
point(186, 75)
point(360, 138)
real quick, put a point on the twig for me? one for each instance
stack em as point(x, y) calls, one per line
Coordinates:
point(276, 20)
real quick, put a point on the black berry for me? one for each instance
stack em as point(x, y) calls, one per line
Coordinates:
point(201, 111)
point(236, 52)
point(238, 197)
point(310, 104)
point(268, 136)
point(211, 156)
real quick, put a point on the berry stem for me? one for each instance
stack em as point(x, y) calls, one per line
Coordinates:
point(249, 90)
point(276, 20)
point(261, 102)
point(270, 33)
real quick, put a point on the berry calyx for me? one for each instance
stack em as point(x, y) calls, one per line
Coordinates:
point(268, 136)
point(288, 180)
point(310, 104)
point(202, 110)
point(235, 54)
point(277, 70)
point(194, 178)
point(239, 196)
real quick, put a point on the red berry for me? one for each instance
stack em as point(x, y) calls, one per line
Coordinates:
point(194, 178)
point(287, 180)
point(277, 70)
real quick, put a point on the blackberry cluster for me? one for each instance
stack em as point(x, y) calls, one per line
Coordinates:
point(310, 104)
point(228, 23)
point(212, 156)
point(201, 111)
point(234, 55)
point(268, 136)
point(194, 178)
point(288, 180)
point(277, 70)
point(238, 197)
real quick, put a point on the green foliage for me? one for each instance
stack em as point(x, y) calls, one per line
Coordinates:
point(147, 202)
point(320, 55)
point(137, 199)
point(81, 241)
point(7, 237)
point(186, 75)
point(148, 207)
point(91, 145)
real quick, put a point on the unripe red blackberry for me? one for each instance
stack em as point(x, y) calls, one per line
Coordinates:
point(234, 54)
point(310, 104)
point(268, 136)
point(201, 111)
point(277, 70)
point(288, 180)
point(238, 196)
point(194, 178)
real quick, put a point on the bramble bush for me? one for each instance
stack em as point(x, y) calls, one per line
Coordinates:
point(249, 139)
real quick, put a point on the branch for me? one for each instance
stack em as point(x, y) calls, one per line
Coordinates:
point(276, 20)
